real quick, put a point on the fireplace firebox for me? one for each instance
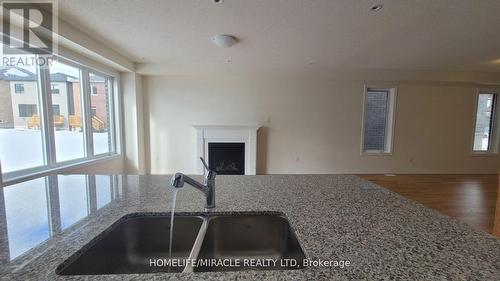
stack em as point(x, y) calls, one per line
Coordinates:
point(226, 158)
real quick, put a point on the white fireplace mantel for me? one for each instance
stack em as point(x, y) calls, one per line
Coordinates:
point(244, 134)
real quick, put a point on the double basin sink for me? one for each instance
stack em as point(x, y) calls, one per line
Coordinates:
point(139, 243)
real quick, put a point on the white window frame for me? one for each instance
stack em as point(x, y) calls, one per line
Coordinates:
point(45, 111)
point(391, 120)
point(495, 136)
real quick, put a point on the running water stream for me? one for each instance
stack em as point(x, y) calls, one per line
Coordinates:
point(172, 216)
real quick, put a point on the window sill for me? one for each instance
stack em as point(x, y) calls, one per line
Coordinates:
point(376, 153)
point(13, 177)
point(485, 154)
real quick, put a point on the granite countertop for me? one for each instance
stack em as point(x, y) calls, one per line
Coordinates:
point(335, 217)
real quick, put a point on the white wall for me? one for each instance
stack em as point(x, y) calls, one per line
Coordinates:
point(133, 123)
point(312, 125)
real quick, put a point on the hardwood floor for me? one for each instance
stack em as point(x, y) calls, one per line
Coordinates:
point(469, 198)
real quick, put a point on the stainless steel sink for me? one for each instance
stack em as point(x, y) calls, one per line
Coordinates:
point(134, 241)
point(129, 244)
point(256, 241)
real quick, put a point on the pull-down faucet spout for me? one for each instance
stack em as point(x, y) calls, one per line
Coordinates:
point(207, 188)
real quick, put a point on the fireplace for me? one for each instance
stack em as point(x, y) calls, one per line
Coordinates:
point(243, 137)
point(227, 158)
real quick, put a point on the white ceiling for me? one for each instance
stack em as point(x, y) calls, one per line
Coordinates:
point(322, 34)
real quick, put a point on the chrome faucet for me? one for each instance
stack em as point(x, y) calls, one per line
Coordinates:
point(208, 186)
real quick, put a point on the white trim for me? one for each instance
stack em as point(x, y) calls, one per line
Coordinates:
point(111, 114)
point(46, 118)
point(117, 116)
point(244, 134)
point(86, 112)
point(391, 120)
point(376, 153)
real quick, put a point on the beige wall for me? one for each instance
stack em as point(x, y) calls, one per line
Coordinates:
point(312, 126)
point(107, 167)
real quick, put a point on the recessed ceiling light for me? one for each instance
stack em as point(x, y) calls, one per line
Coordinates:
point(376, 8)
point(218, 1)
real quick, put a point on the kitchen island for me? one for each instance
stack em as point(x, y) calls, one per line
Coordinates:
point(375, 233)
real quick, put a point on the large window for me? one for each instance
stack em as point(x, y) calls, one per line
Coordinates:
point(379, 104)
point(21, 138)
point(56, 121)
point(486, 128)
